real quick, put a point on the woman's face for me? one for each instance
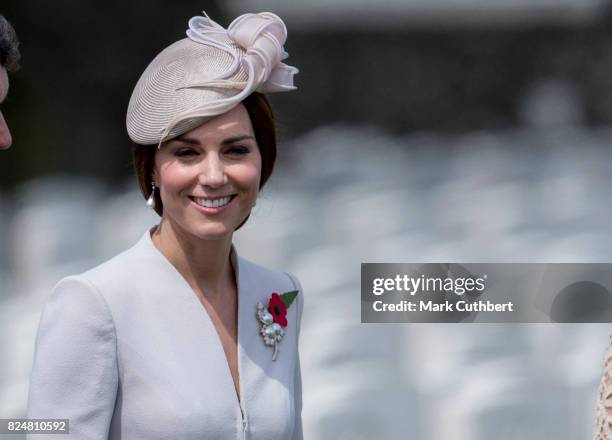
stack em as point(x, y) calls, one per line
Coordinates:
point(208, 178)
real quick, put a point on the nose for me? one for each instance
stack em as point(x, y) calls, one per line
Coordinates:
point(213, 171)
point(5, 134)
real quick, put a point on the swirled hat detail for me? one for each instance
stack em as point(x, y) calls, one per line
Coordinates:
point(207, 74)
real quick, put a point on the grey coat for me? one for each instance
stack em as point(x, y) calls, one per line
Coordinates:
point(127, 351)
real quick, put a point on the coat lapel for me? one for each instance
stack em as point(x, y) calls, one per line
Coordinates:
point(196, 310)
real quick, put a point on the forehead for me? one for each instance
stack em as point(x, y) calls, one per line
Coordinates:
point(235, 121)
point(4, 84)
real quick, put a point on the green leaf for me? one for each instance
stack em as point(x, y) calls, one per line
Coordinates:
point(288, 297)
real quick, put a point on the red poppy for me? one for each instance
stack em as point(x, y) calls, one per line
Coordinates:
point(277, 308)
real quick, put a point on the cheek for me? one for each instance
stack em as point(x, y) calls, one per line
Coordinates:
point(175, 178)
point(249, 177)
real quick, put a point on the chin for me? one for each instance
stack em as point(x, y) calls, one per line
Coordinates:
point(212, 232)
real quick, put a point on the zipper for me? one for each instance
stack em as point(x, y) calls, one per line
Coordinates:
point(245, 425)
point(245, 419)
point(243, 414)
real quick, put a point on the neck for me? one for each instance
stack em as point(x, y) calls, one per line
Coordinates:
point(205, 264)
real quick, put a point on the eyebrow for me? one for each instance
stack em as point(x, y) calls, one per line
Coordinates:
point(228, 141)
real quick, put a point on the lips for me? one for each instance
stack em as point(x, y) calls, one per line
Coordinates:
point(213, 202)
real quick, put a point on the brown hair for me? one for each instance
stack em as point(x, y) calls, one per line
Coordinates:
point(9, 46)
point(262, 119)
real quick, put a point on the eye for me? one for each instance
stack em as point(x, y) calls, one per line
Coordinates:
point(185, 152)
point(238, 150)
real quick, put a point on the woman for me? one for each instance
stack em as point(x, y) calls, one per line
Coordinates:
point(178, 337)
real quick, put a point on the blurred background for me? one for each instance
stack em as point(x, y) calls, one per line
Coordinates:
point(422, 131)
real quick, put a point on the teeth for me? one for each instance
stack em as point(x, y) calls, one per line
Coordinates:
point(213, 203)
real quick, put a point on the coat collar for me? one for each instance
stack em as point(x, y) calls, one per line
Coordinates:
point(146, 246)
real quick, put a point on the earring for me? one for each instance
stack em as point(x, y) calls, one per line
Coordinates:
point(151, 199)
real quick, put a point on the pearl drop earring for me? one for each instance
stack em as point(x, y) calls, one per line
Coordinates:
point(151, 199)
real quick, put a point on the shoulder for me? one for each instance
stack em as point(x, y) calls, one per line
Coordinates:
point(75, 298)
point(76, 319)
point(255, 274)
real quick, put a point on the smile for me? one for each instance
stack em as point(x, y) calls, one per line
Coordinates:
point(218, 202)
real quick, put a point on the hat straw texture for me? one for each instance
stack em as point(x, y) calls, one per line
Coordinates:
point(208, 74)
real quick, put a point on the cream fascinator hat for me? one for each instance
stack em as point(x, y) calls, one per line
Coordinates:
point(208, 74)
